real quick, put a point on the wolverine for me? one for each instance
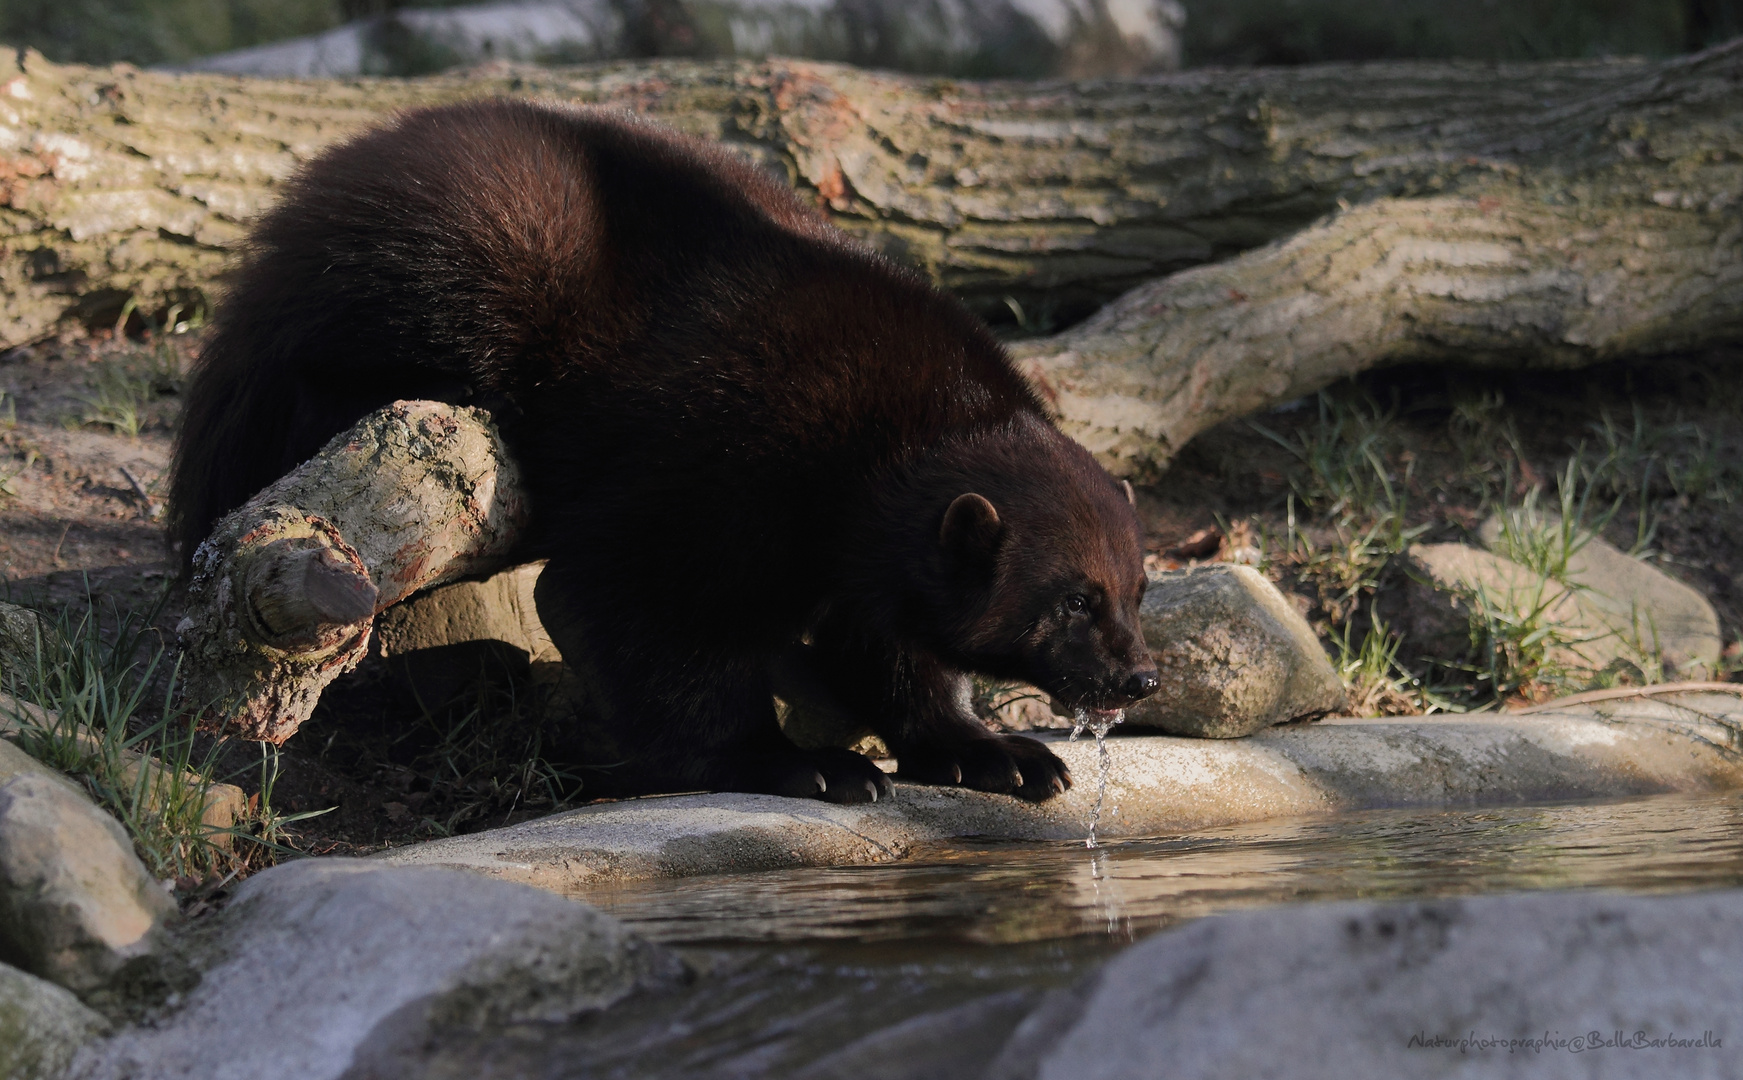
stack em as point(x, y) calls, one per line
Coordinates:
point(739, 429)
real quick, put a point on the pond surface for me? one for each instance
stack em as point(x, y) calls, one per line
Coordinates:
point(797, 964)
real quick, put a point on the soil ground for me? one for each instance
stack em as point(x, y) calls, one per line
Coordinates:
point(1655, 447)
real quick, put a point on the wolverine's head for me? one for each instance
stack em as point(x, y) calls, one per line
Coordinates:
point(1047, 564)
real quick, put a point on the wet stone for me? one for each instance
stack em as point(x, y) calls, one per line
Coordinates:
point(76, 905)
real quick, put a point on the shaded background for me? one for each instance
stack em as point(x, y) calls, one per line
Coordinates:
point(1215, 32)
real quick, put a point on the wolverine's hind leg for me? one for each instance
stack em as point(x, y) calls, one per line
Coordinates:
point(687, 714)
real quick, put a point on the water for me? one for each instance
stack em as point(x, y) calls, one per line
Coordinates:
point(1100, 729)
point(797, 964)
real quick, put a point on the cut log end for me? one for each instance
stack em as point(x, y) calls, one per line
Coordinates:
point(301, 591)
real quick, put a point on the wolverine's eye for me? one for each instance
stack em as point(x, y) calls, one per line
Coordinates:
point(1077, 605)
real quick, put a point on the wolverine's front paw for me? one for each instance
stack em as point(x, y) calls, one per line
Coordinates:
point(838, 776)
point(1005, 764)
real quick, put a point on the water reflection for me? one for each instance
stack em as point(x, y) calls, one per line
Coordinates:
point(796, 965)
point(1010, 892)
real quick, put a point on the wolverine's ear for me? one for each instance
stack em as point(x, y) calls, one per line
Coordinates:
point(971, 528)
point(1131, 496)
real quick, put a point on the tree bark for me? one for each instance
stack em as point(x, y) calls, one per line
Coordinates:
point(286, 589)
point(1606, 227)
point(1056, 196)
point(1500, 274)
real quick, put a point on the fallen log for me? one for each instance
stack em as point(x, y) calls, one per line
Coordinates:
point(1041, 200)
point(1607, 227)
point(285, 591)
point(1499, 275)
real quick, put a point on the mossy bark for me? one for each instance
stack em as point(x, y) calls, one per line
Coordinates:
point(1521, 213)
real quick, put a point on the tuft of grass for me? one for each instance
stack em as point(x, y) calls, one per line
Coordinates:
point(150, 767)
point(1376, 683)
point(1521, 645)
point(476, 759)
point(122, 388)
point(1517, 648)
point(1647, 463)
point(1342, 457)
point(1544, 541)
point(9, 477)
point(1342, 475)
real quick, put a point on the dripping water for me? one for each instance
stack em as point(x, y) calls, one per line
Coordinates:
point(1099, 728)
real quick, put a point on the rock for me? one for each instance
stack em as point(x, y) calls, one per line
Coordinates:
point(226, 804)
point(943, 1045)
point(15, 762)
point(322, 965)
point(1234, 656)
point(1646, 609)
point(22, 631)
point(76, 905)
point(1655, 742)
point(1435, 617)
point(41, 1026)
point(1619, 612)
point(1548, 984)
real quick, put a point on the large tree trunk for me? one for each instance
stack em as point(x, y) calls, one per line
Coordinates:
point(1555, 212)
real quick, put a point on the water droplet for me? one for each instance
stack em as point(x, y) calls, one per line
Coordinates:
point(1099, 727)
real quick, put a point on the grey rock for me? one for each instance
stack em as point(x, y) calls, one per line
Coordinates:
point(76, 905)
point(41, 1026)
point(1353, 991)
point(319, 965)
point(945, 1045)
point(15, 762)
point(1233, 655)
point(1617, 610)
point(1445, 582)
point(1644, 608)
point(22, 632)
point(1157, 785)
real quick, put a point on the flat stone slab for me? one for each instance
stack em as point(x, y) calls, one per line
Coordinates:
point(318, 964)
point(1691, 741)
point(1563, 985)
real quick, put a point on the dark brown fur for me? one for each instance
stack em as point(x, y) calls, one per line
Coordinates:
point(737, 427)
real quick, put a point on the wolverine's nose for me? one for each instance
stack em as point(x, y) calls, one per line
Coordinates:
point(1141, 685)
